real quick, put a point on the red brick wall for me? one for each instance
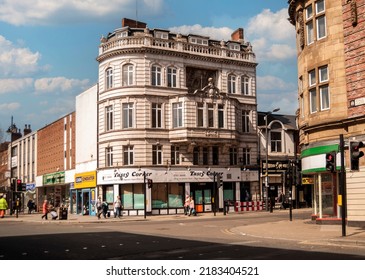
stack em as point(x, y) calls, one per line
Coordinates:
point(51, 139)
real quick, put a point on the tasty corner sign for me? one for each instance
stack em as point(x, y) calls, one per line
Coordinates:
point(85, 180)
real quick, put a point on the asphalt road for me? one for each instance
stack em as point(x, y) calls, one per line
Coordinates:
point(179, 239)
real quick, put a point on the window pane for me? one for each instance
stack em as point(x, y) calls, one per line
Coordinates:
point(220, 116)
point(309, 12)
point(312, 78)
point(176, 195)
point(313, 100)
point(310, 35)
point(325, 98)
point(138, 197)
point(200, 116)
point(321, 27)
point(127, 197)
point(320, 6)
point(109, 78)
point(323, 74)
point(210, 115)
point(159, 196)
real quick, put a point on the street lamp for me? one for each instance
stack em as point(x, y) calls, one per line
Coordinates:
point(267, 159)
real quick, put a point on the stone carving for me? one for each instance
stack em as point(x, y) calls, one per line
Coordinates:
point(301, 28)
point(210, 90)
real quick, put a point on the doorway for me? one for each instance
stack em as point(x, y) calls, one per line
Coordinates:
point(202, 194)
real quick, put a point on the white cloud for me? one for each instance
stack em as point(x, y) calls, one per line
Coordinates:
point(15, 85)
point(272, 36)
point(9, 107)
point(221, 33)
point(42, 12)
point(16, 61)
point(271, 25)
point(57, 84)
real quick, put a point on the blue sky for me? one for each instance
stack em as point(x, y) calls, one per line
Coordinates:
point(48, 48)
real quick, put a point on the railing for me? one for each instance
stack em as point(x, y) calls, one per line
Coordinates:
point(147, 41)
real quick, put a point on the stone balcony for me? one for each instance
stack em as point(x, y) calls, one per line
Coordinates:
point(178, 45)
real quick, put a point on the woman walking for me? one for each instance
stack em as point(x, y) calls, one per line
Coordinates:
point(45, 209)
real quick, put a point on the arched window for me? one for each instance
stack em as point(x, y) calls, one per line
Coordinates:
point(109, 78)
point(245, 85)
point(171, 77)
point(156, 75)
point(128, 75)
point(231, 83)
point(276, 138)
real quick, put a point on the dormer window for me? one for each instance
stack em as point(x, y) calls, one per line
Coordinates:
point(234, 47)
point(122, 34)
point(162, 35)
point(198, 41)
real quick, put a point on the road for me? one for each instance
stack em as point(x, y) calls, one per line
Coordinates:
point(177, 238)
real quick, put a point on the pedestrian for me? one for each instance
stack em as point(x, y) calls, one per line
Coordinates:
point(52, 210)
point(192, 207)
point(99, 208)
point(3, 206)
point(118, 207)
point(187, 204)
point(30, 206)
point(45, 209)
point(105, 208)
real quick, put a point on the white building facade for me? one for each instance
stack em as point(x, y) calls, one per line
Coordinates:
point(84, 192)
point(177, 116)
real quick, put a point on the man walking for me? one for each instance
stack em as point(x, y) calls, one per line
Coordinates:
point(3, 206)
point(117, 207)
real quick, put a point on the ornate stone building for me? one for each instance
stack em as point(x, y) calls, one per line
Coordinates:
point(330, 44)
point(179, 110)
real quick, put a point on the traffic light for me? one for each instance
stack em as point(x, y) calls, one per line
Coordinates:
point(355, 154)
point(219, 181)
point(13, 185)
point(331, 162)
point(18, 187)
point(149, 183)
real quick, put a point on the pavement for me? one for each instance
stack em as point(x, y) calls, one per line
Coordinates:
point(300, 228)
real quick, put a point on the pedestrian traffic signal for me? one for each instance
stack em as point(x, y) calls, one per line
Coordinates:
point(331, 162)
point(355, 154)
point(149, 183)
point(18, 185)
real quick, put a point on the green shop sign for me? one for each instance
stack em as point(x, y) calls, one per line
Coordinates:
point(54, 178)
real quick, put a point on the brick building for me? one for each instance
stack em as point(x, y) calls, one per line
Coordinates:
point(56, 160)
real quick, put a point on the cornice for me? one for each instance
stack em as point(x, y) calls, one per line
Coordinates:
point(184, 55)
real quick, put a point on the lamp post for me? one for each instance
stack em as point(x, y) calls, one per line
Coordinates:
point(267, 159)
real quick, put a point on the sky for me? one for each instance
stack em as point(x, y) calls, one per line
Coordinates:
point(48, 48)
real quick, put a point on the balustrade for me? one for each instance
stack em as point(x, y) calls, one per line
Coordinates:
point(147, 41)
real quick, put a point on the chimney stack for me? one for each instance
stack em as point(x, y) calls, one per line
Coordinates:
point(27, 129)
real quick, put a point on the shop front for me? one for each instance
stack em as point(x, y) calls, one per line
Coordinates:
point(55, 189)
point(324, 183)
point(166, 193)
point(83, 195)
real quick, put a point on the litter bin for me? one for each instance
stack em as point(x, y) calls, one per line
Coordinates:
point(63, 213)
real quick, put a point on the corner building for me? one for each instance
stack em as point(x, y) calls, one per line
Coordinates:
point(179, 110)
point(330, 45)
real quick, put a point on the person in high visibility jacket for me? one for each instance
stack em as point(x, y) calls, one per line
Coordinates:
point(3, 206)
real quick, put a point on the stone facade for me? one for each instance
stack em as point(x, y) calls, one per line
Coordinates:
point(332, 36)
point(176, 103)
